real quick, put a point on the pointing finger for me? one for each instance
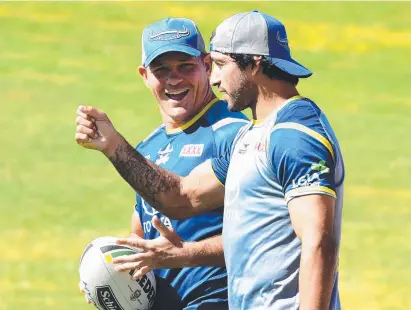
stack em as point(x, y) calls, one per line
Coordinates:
point(166, 232)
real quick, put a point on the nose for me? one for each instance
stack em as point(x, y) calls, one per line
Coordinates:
point(215, 77)
point(174, 78)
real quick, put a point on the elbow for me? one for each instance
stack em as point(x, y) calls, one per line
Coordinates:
point(322, 244)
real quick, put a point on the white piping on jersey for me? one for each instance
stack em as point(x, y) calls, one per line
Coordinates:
point(153, 132)
point(309, 132)
point(225, 121)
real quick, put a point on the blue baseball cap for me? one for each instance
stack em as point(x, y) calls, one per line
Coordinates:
point(256, 33)
point(171, 35)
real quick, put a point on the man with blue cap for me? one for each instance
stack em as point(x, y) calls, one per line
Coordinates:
point(281, 180)
point(196, 126)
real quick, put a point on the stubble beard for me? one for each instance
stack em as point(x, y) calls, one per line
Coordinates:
point(243, 96)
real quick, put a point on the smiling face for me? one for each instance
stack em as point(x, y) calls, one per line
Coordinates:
point(234, 83)
point(180, 84)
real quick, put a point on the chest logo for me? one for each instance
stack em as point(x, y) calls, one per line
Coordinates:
point(148, 209)
point(192, 150)
point(164, 155)
point(243, 148)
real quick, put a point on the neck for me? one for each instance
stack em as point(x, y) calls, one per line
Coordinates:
point(271, 96)
point(171, 123)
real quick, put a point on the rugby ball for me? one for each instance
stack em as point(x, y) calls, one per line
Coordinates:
point(109, 289)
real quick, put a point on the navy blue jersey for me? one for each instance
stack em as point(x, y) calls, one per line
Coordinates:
point(209, 134)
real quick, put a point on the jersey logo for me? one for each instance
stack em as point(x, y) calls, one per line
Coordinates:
point(164, 155)
point(192, 150)
point(148, 209)
point(314, 178)
point(260, 147)
point(320, 167)
point(243, 149)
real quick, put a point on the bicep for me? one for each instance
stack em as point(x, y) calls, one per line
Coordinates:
point(312, 215)
point(203, 188)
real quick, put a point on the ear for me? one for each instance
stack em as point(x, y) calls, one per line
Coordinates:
point(143, 73)
point(208, 63)
point(257, 65)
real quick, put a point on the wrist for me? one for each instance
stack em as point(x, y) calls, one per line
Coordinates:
point(190, 253)
point(113, 144)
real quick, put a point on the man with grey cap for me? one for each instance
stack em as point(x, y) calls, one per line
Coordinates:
point(281, 180)
point(197, 126)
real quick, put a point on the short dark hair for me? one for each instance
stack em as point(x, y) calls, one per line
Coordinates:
point(269, 69)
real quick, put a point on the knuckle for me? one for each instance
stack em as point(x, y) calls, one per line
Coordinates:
point(135, 257)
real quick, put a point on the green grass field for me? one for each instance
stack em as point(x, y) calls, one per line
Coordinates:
point(56, 196)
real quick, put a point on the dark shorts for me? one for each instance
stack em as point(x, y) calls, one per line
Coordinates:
point(167, 298)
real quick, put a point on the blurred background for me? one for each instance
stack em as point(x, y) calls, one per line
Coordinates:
point(55, 197)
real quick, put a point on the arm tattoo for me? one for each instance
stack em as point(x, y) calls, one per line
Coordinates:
point(146, 178)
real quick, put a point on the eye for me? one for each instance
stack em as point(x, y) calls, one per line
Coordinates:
point(187, 66)
point(159, 69)
point(218, 64)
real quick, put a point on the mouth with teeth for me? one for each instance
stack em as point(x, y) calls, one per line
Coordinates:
point(176, 95)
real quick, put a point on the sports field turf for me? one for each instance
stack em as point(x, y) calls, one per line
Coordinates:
point(56, 196)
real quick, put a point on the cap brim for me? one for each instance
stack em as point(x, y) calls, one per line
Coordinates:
point(291, 67)
point(171, 48)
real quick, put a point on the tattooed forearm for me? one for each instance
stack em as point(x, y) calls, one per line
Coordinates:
point(146, 178)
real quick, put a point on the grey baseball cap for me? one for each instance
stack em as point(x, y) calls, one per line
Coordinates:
point(256, 33)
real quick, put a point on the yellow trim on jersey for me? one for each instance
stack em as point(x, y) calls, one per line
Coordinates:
point(289, 100)
point(309, 132)
point(194, 119)
point(260, 121)
point(306, 190)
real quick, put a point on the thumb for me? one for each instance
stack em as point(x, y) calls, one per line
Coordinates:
point(97, 114)
point(167, 233)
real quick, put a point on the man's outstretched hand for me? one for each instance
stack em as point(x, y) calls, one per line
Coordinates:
point(166, 251)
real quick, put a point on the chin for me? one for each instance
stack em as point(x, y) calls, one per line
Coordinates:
point(179, 114)
point(234, 107)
